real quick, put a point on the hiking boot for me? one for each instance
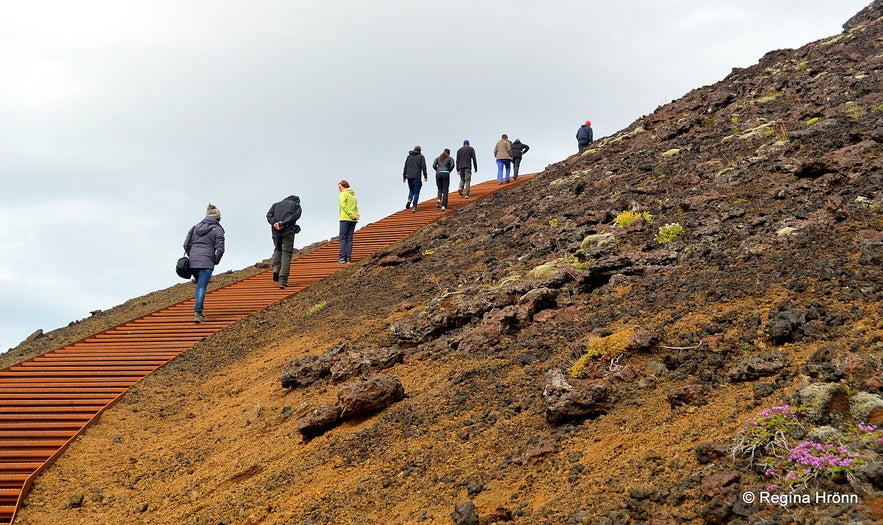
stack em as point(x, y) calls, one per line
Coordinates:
point(342, 260)
point(414, 209)
point(198, 317)
point(460, 191)
point(283, 283)
point(407, 205)
point(444, 208)
point(275, 277)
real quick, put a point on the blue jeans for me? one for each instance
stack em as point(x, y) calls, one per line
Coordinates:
point(203, 276)
point(500, 164)
point(414, 186)
point(346, 239)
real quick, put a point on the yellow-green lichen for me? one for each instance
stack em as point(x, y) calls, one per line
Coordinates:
point(603, 349)
point(597, 240)
point(544, 270)
point(627, 217)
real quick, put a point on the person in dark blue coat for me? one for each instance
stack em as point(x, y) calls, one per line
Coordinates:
point(584, 135)
point(204, 245)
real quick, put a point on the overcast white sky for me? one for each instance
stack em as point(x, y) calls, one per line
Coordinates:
point(121, 120)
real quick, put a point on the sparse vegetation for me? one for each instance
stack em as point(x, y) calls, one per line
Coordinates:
point(854, 111)
point(789, 462)
point(627, 217)
point(669, 232)
point(316, 308)
point(603, 349)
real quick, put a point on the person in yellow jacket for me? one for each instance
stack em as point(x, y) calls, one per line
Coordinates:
point(349, 215)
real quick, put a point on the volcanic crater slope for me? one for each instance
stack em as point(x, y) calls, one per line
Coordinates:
point(643, 333)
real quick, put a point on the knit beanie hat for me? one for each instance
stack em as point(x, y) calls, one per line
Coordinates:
point(213, 212)
point(588, 123)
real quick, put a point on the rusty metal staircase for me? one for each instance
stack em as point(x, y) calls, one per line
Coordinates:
point(46, 401)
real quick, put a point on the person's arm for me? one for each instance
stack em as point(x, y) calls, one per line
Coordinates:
point(219, 244)
point(187, 241)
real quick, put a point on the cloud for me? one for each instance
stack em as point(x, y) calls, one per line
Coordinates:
point(122, 120)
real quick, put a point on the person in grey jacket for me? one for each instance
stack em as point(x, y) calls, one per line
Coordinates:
point(415, 166)
point(283, 217)
point(204, 246)
point(518, 150)
point(443, 166)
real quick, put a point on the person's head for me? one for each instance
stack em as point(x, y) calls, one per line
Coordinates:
point(417, 149)
point(588, 123)
point(505, 136)
point(343, 185)
point(212, 212)
point(465, 142)
point(445, 154)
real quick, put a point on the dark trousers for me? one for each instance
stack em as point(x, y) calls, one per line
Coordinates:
point(283, 246)
point(346, 239)
point(443, 182)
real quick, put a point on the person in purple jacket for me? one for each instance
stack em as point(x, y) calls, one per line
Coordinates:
point(204, 245)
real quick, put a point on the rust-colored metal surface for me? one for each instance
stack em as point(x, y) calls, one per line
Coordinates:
point(46, 401)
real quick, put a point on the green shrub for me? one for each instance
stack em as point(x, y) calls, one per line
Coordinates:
point(627, 217)
point(669, 232)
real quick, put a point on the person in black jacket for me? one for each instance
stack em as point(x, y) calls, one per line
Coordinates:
point(466, 164)
point(518, 150)
point(415, 166)
point(283, 217)
point(584, 135)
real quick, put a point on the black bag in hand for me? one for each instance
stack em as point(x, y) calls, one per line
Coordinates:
point(183, 268)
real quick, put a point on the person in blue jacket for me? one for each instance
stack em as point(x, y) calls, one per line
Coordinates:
point(584, 135)
point(204, 245)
